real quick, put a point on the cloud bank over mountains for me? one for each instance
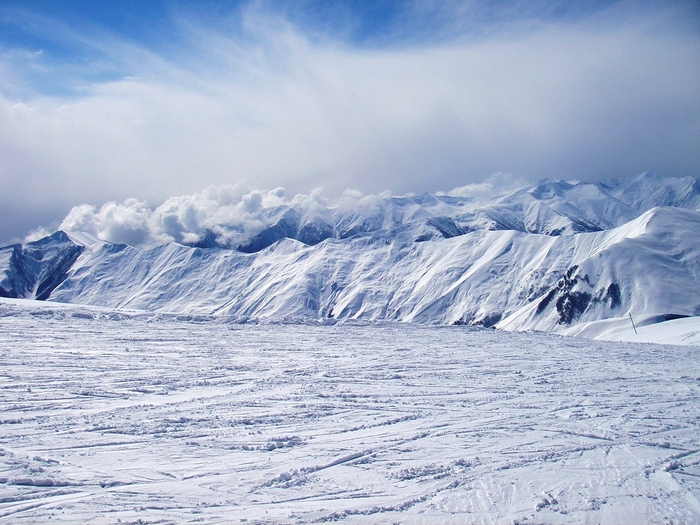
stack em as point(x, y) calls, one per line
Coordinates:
point(264, 98)
point(182, 219)
point(250, 220)
point(234, 213)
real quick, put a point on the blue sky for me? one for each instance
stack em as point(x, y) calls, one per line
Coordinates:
point(106, 101)
point(64, 44)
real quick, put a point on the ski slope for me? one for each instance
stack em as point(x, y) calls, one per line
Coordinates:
point(115, 416)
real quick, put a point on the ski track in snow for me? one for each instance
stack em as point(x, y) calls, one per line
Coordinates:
point(120, 418)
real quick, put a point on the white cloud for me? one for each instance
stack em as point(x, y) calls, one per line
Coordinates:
point(36, 234)
point(232, 213)
point(126, 223)
point(586, 100)
point(494, 186)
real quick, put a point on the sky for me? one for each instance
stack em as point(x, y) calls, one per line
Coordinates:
point(118, 107)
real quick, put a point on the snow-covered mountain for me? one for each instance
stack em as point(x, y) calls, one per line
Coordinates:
point(544, 257)
point(37, 268)
point(548, 207)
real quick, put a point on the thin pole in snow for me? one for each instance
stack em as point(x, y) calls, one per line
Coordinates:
point(632, 321)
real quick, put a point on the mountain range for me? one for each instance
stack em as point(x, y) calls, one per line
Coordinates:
point(545, 257)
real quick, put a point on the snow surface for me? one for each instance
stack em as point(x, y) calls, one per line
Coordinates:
point(646, 328)
point(111, 416)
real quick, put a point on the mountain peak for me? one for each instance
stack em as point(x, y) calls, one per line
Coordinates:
point(545, 257)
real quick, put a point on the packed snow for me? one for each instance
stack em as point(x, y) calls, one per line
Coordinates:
point(646, 328)
point(112, 416)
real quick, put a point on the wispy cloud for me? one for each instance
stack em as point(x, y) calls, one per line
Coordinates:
point(262, 98)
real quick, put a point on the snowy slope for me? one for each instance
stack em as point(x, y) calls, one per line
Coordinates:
point(34, 270)
point(546, 258)
point(646, 328)
point(509, 279)
point(649, 266)
point(648, 190)
point(547, 207)
point(109, 417)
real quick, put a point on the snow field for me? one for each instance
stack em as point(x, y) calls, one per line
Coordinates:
point(109, 417)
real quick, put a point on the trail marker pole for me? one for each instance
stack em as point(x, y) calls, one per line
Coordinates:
point(632, 321)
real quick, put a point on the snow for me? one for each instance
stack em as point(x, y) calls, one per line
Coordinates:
point(515, 280)
point(221, 217)
point(83, 238)
point(120, 416)
point(556, 256)
point(647, 328)
point(315, 378)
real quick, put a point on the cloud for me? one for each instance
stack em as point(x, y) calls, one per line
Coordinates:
point(270, 104)
point(126, 223)
point(233, 214)
point(496, 185)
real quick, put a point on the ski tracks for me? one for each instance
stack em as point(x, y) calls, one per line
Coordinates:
point(168, 420)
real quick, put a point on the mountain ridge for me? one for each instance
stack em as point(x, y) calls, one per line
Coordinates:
point(406, 270)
